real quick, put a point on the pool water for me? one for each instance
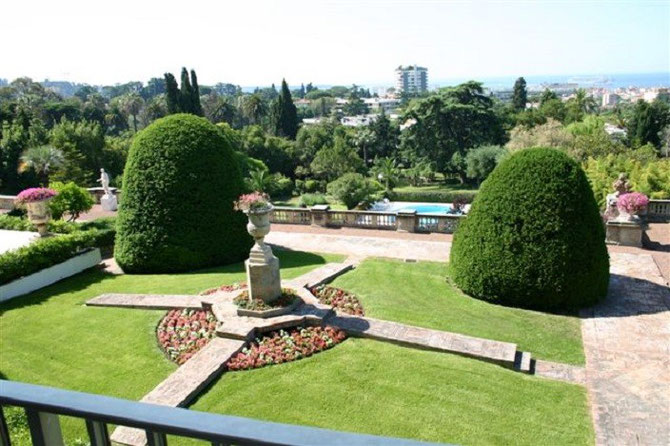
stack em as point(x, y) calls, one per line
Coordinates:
point(426, 208)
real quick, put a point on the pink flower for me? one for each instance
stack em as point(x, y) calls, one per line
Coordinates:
point(35, 194)
point(632, 202)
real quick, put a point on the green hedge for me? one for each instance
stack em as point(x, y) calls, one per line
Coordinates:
point(433, 196)
point(46, 252)
point(179, 184)
point(57, 226)
point(533, 237)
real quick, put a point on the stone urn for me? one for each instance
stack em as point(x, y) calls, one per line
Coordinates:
point(39, 215)
point(262, 266)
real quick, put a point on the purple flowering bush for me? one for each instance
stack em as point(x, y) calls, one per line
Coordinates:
point(35, 194)
point(632, 203)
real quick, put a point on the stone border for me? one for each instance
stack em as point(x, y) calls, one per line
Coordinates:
point(47, 276)
point(273, 312)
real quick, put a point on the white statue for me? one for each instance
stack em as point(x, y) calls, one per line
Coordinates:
point(104, 181)
point(108, 201)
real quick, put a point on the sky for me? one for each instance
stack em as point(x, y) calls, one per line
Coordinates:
point(255, 42)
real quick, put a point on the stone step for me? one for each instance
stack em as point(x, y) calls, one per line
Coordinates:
point(522, 362)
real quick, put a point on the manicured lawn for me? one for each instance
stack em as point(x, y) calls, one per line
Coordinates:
point(418, 294)
point(378, 388)
point(436, 187)
point(295, 202)
point(49, 337)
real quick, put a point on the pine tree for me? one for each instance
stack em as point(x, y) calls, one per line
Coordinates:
point(520, 96)
point(172, 94)
point(284, 114)
point(186, 94)
point(302, 90)
point(195, 95)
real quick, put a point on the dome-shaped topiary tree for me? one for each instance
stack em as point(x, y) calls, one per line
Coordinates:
point(176, 211)
point(533, 237)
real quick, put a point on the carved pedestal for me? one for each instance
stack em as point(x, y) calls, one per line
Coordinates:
point(109, 203)
point(263, 274)
point(624, 233)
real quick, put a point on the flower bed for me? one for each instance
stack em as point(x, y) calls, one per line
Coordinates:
point(287, 298)
point(285, 346)
point(225, 288)
point(339, 299)
point(182, 332)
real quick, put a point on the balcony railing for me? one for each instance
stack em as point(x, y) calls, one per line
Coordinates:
point(43, 406)
point(393, 221)
point(658, 210)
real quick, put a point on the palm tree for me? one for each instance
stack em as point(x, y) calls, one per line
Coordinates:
point(364, 138)
point(254, 108)
point(387, 171)
point(42, 159)
point(260, 181)
point(132, 104)
point(585, 104)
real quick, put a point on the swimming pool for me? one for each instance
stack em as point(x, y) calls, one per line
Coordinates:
point(420, 208)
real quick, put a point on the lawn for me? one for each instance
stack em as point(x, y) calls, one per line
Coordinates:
point(435, 187)
point(49, 337)
point(295, 202)
point(378, 388)
point(419, 294)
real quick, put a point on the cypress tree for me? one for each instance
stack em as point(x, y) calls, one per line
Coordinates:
point(195, 95)
point(520, 95)
point(172, 94)
point(285, 114)
point(186, 93)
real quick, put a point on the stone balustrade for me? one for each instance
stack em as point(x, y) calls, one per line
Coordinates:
point(323, 216)
point(658, 210)
point(7, 201)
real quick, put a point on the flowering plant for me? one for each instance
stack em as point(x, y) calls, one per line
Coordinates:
point(339, 299)
point(287, 297)
point(252, 202)
point(632, 202)
point(35, 194)
point(225, 288)
point(284, 346)
point(182, 332)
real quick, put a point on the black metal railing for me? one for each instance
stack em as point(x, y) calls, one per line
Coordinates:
point(43, 405)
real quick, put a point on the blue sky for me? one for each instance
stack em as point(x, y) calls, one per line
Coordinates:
point(259, 42)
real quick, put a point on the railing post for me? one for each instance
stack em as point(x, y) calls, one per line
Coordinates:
point(320, 215)
point(4, 430)
point(156, 438)
point(406, 221)
point(97, 433)
point(44, 428)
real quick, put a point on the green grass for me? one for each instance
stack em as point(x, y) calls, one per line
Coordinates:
point(378, 388)
point(49, 337)
point(295, 202)
point(418, 294)
point(433, 187)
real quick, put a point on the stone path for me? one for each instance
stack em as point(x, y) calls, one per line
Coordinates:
point(627, 348)
point(178, 389)
point(362, 246)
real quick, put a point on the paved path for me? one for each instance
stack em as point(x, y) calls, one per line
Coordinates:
point(362, 246)
point(627, 348)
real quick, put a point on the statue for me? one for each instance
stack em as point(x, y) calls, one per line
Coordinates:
point(104, 181)
point(108, 200)
point(621, 186)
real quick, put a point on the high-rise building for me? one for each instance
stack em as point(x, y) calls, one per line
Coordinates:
point(411, 79)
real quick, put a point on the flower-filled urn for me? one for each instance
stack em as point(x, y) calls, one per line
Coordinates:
point(36, 200)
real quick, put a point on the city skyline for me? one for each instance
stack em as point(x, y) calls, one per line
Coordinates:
point(333, 42)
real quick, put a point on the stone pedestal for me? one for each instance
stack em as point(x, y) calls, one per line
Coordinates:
point(320, 215)
point(406, 221)
point(263, 274)
point(624, 233)
point(109, 203)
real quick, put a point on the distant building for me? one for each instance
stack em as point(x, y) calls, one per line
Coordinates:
point(411, 79)
point(610, 99)
point(378, 104)
point(652, 94)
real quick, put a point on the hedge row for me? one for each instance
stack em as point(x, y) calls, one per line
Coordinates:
point(434, 196)
point(57, 226)
point(50, 251)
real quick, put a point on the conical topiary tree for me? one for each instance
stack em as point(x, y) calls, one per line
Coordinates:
point(176, 211)
point(533, 237)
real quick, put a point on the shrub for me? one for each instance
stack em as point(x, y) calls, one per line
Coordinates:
point(312, 186)
point(351, 189)
point(46, 252)
point(308, 200)
point(481, 161)
point(435, 196)
point(58, 226)
point(180, 181)
point(70, 199)
point(281, 187)
point(533, 237)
